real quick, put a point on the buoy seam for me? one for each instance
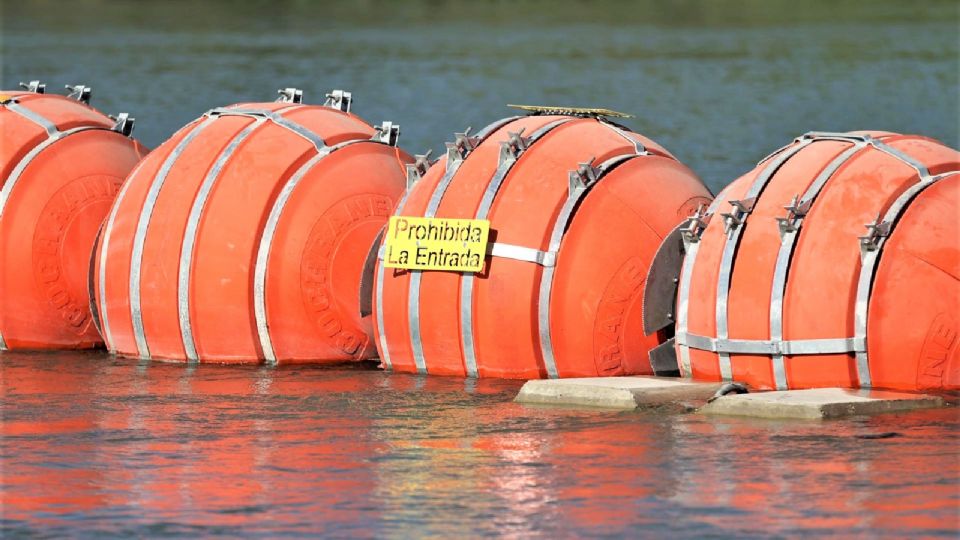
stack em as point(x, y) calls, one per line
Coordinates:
point(785, 255)
point(190, 238)
point(556, 238)
point(467, 281)
point(266, 243)
point(140, 233)
point(413, 298)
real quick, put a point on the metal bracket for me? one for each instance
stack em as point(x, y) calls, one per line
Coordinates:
point(583, 177)
point(34, 86)
point(461, 146)
point(339, 99)
point(876, 232)
point(418, 168)
point(694, 226)
point(79, 92)
point(387, 133)
point(123, 124)
point(736, 217)
point(290, 95)
point(515, 145)
point(796, 211)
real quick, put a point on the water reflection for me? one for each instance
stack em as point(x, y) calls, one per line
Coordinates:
point(93, 444)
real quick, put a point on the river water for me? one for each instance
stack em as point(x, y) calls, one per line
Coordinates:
point(94, 446)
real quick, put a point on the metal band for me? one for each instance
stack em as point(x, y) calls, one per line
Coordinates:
point(104, 245)
point(47, 125)
point(766, 347)
point(486, 203)
point(785, 255)
point(868, 266)
point(730, 248)
point(521, 253)
point(276, 118)
point(381, 272)
point(416, 276)
point(638, 146)
point(140, 235)
point(556, 236)
point(190, 238)
point(691, 248)
point(266, 243)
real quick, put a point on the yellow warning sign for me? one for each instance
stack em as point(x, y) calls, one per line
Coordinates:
point(418, 243)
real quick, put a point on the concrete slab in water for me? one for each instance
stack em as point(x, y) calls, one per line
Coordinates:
point(614, 392)
point(819, 403)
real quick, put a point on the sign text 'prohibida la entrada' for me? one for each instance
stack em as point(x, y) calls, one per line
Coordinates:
point(418, 243)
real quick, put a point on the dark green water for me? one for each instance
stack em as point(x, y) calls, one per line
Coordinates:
point(92, 446)
point(720, 84)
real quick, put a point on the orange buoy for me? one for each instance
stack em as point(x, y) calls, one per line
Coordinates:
point(62, 164)
point(243, 237)
point(577, 207)
point(834, 263)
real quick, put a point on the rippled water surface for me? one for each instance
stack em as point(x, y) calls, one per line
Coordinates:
point(98, 446)
point(95, 446)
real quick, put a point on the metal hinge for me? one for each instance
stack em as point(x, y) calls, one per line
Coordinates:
point(418, 168)
point(695, 225)
point(123, 124)
point(34, 86)
point(79, 92)
point(290, 95)
point(387, 132)
point(339, 99)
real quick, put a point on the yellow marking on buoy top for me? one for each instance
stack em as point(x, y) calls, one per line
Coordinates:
point(4, 99)
point(573, 111)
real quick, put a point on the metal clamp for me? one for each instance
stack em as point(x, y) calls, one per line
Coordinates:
point(339, 99)
point(693, 228)
point(123, 124)
point(876, 231)
point(387, 133)
point(79, 92)
point(796, 347)
point(796, 211)
point(290, 95)
point(511, 148)
point(736, 217)
point(34, 86)
point(462, 145)
point(418, 168)
point(584, 176)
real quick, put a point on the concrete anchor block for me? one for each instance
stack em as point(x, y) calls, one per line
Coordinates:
point(614, 392)
point(819, 403)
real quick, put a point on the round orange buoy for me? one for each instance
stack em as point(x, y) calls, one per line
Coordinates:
point(834, 263)
point(243, 237)
point(62, 164)
point(577, 206)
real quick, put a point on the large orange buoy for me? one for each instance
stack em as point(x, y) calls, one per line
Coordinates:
point(577, 206)
point(62, 164)
point(244, 236)
point(834, 263)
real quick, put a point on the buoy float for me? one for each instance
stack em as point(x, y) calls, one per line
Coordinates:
point(577, 207)
point(835, 262)
point(62, 164)
point(243, 237)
